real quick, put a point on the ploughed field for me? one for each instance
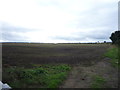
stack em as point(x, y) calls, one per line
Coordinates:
point(24, 54)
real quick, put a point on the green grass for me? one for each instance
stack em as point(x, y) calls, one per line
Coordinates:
point(98, 82)
point(41, 76)
point(114, 55)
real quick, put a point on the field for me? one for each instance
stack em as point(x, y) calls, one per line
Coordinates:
point(77, 58)
point(21, 54)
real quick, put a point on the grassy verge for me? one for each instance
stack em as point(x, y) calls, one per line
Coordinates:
point(114, 55)
point(41, 76)
point(98, 82)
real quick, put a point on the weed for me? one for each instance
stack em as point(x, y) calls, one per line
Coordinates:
point(98, 82)
point(47, 76)
point(114, 55)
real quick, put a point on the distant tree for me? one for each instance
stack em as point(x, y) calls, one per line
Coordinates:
point(104, 41)
point(115, 37)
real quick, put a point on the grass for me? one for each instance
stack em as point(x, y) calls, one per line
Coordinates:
point(41, 76)
point(98, 81)
point(114, 55)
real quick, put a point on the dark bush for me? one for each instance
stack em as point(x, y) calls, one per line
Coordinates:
point(115, 37)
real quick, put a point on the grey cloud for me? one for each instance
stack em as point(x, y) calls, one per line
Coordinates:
point(98, 35)
point(103, 14)
point(99, 15)
point(12, 37)
point(93, 37)
point(11, 33)
point(98, 21)
point(6, 27)
point(68, 38)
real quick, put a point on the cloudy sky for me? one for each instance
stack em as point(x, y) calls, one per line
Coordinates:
point(53, 21)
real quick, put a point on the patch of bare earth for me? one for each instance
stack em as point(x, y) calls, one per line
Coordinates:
point(81, 76)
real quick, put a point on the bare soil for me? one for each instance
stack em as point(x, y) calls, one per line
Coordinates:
point(87, 60)
point(18, 54)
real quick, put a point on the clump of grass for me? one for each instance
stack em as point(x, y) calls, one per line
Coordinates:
point(41, 76)
point(98, 82)
point(114, 55)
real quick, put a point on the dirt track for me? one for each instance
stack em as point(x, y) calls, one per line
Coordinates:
point(82, 76)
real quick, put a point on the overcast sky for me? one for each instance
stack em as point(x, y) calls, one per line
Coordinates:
point(53, 21)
